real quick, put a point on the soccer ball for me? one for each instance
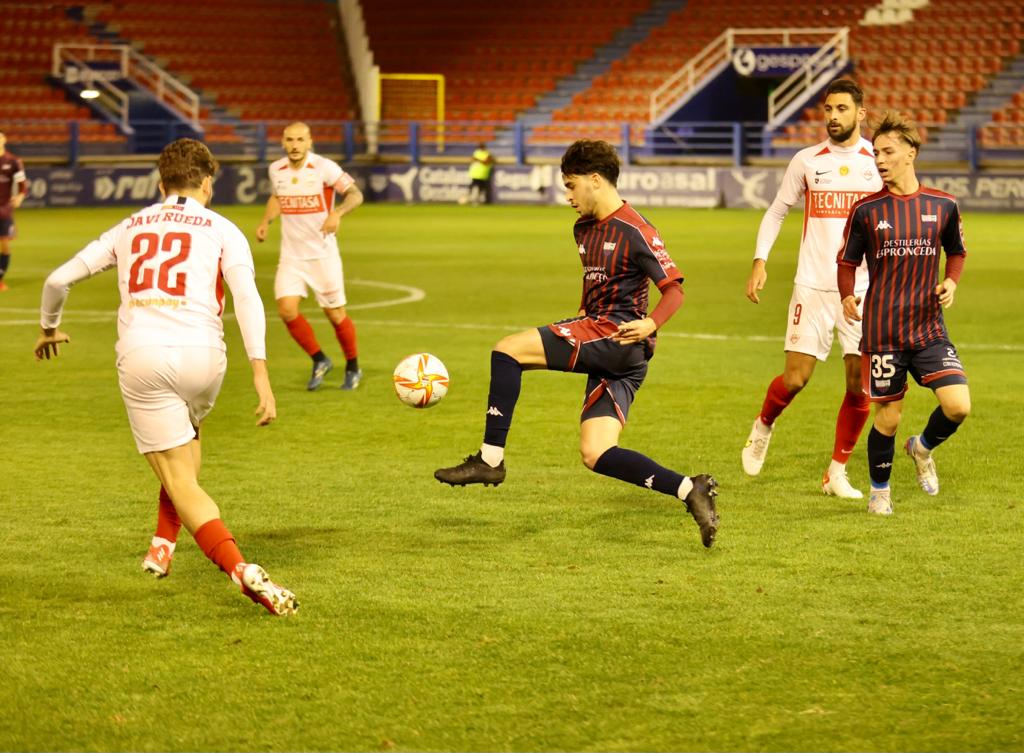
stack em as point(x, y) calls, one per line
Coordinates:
point(421, 380)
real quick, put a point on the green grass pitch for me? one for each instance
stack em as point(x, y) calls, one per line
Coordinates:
point(561, 610)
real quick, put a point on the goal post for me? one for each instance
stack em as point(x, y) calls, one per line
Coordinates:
point(412, 96)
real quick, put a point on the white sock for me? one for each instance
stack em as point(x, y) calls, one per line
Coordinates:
point(763, 428)
point(685, 488)
point(492, 454)
point(158, 541)
point(835, 467)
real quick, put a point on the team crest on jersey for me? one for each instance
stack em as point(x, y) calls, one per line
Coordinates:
point(294, 180)
point(844, 170)
point(929, 218)
point(609, 246)
point(868, 175)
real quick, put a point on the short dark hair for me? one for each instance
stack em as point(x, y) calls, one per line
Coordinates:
point(184, 163)
point(585, 156)
point(901, 127)
point(846, 86)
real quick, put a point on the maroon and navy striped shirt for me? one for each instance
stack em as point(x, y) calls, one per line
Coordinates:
point(620, 254)
point(900, 236)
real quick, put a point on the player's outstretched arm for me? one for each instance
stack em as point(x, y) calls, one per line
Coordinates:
point(758, 277)
point(47, 342)
point(266, 411)
point(271, 213)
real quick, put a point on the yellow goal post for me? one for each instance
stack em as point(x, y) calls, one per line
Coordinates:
point(412, 96)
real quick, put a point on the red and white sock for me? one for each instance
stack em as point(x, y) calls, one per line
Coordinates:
point(167, 521)
point(302, 333)
point(775, 401)
point(853, 414)
point(345, 331)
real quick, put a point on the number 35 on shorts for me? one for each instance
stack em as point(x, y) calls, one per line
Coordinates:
point(884, 376)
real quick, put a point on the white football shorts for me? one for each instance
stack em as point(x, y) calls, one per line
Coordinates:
point(814, 317)
point(323, 276)
point(168, 391)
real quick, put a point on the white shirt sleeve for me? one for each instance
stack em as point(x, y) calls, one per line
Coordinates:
point(248, 311)
point(791, 191)
point(330, 172)
point(240, 275)
point(55, 290)
point(97, 257)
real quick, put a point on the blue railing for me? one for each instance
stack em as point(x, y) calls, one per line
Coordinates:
point(519, 142)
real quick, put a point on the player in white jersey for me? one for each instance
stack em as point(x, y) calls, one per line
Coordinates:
point(171, 260)
point(303, 186)
point(829, 178)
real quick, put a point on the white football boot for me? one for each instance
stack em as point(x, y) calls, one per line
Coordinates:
point(756, 448)
point(836, 483)
point(880, 502)
point(927, 477)
point(258, 586)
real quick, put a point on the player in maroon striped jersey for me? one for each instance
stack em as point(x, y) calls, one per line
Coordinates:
point(610, 340)
point(13, 187)
point(899, 231)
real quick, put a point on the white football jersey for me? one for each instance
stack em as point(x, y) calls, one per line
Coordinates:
point(306, 197)
point(829, 179)
point(170, 258)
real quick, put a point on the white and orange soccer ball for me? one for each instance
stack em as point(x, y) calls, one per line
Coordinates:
point(421, 380)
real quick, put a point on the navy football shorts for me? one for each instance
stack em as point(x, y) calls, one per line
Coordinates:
point(935, 365)
point(614, 372)
point(7, 229)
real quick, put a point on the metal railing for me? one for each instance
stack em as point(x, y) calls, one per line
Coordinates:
point(84, 59)
point(734, 143)
point(831, 56)
point(718, 53)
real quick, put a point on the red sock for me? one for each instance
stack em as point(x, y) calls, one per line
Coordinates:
point(853, 414)
point(775, 401)
point(218, 544)
point(302, 333)
point(167, 521)
point(346, 333)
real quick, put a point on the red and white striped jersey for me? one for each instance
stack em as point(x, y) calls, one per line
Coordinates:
point(829, 179)
point(170, 258)
point(306, 196)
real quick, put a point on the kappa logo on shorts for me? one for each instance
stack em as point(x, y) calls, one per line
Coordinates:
point(649, 482)
point(883, 225)
point(794, 339)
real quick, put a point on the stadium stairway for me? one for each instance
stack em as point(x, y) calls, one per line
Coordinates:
point(948, 144)
point(102, 32)
point(603, 58)
point(568, 86)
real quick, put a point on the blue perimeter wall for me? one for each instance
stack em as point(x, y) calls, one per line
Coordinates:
point(643, 186)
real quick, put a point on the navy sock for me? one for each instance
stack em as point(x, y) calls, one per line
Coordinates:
point(506, 382)
point(318, 356)
point(881, 451)
point(5, 260)
point(939, 429)
point(634, 468)
point(352, 364)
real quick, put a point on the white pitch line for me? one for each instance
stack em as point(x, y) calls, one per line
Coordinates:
point(415, 294)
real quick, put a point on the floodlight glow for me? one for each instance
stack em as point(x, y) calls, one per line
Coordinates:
point(89, 93)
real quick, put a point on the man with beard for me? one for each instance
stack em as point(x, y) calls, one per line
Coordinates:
point(829, 177)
